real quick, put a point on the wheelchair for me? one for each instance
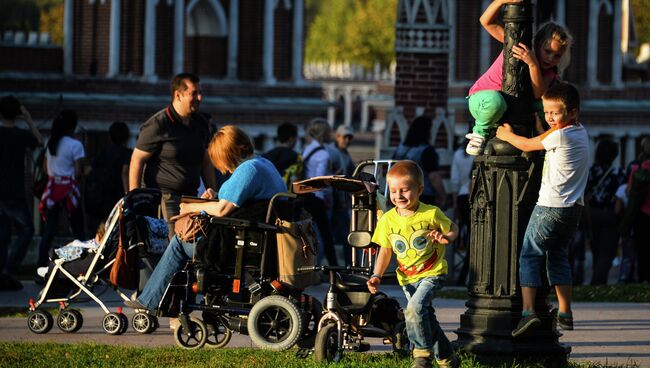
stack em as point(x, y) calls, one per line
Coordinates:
point(235, 269)
point(352, 313)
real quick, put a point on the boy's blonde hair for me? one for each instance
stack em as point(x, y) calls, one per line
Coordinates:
point(407, 168)
point(554, 31)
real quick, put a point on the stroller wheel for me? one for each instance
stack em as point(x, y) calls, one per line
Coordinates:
point(326, 346)
point(113, 324)
point(39, 321)
point(193, 339)
point(275, 323)
point(125, 322)
point(69, 320)
point(218, 334)
point(144, 323)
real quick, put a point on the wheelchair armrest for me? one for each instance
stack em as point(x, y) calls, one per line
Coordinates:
point(241, 223)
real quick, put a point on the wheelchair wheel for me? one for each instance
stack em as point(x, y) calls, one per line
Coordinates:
point(218, 334)
point(144, 323)
point(113, 324)
point(69, 320)
point(195, 338)
point(275, 323)
point(310, 325)
point(39, 321)
point(326, 346)
point(402, 344)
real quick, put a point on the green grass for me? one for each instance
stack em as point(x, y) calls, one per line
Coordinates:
point(94, 355)
point(626, 293)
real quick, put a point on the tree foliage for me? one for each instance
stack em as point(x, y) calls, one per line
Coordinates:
point(356, 31)
point(33, 16)
point(641, 10)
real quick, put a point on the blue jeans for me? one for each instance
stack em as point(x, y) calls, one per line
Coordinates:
point(15, 211)
point(421, 324)
point(547, 240)
point(176, 255)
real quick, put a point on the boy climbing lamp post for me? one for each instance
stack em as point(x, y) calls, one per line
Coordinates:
point(503, 193)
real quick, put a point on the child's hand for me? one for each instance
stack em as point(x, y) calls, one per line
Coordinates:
point(504, 131)
point(209, 194)
point(373, 283)
point(438, 237)
point(522, 53)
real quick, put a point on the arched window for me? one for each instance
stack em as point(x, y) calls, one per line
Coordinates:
point(206, 18)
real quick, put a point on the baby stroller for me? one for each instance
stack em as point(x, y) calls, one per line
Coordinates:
point(67, 281)
point(244, 286)
point(351, 311)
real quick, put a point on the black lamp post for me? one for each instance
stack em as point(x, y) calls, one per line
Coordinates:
point(504, 189)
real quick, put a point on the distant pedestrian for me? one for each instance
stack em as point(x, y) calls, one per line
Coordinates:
point(171, 151)
point(461, 174)
point(64, 161)
point(342, 164)
point(283, 154)
point(14, 143)
point(107, 177)
point(417, 147)
point(317, 162)
point(601, 219)
point(555, 217)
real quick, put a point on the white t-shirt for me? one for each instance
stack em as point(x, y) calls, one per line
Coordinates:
point(68, 151)
point(566, 167)
point(461, 169)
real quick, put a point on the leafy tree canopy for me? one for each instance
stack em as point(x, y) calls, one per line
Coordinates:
point(356, 31)
point(641, 10)
point(33, 16)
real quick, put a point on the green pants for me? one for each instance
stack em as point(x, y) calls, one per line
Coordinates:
point(487, 108)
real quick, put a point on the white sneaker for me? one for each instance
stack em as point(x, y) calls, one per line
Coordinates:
point(41, 271)
point(475, 144)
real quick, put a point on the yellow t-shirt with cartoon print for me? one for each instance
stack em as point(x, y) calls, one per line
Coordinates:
point(417, 255)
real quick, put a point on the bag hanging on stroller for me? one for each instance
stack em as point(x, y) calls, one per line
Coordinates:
point(297, 247)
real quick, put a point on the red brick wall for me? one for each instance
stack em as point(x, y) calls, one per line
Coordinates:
point(421, 80)
point(164, 40)
point(132, 37)
point(91, 35)
point(283, 43)
point(206, 56)
point(577, 20)
point(605, 46)
point(251, 29)
point(31, 59)
point(468, 40)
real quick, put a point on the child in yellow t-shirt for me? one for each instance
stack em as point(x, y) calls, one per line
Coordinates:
point(417, 233)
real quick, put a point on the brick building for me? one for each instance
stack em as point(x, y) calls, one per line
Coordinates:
point(119, 55)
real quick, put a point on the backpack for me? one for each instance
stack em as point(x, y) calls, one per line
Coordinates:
point(296, 172)
point(637, 195)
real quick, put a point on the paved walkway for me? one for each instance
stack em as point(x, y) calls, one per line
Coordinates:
point(614, 333)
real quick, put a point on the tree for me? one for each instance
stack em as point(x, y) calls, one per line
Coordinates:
point(356, 31)
point(641, 10)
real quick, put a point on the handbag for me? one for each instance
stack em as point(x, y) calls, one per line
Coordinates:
point(297, 247)
point(125, 273)
point(191, 226)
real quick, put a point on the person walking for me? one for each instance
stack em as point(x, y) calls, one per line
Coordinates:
point(173, 145)
point(13, 203)
point(342, 164)
point(601, 218)
point(64, 162)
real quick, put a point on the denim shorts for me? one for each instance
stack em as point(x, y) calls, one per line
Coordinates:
point(547, 239)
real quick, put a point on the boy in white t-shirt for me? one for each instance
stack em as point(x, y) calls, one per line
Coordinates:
point(555, 218)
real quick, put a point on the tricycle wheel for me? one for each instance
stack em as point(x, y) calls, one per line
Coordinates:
point(326, 346)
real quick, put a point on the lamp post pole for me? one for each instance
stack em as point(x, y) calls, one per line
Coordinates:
point(504, 188)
